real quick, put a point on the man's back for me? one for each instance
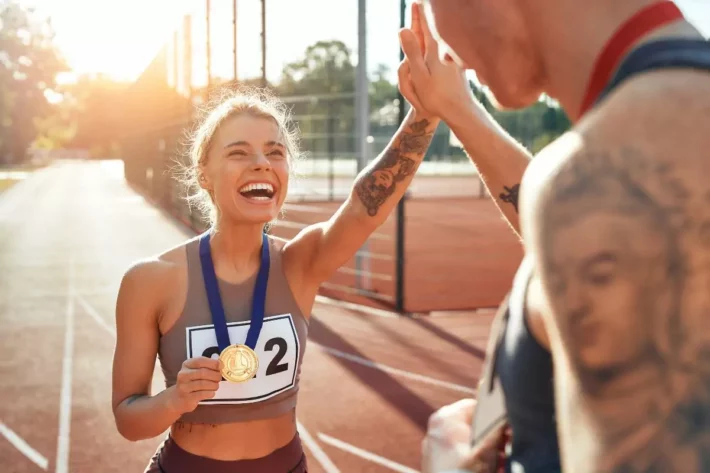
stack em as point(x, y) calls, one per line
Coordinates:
point(616, 215)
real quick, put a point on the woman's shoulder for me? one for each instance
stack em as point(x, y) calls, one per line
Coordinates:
point(159, 272)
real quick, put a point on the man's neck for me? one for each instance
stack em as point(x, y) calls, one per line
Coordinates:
point(570, 51)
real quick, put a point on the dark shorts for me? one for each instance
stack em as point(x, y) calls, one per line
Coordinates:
point(170, 458)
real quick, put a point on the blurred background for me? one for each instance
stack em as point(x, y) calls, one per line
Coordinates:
point(97, 100)
point(106, 80)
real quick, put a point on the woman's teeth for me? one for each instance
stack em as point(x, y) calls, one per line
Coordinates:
point(258, 191)
point(257, 186)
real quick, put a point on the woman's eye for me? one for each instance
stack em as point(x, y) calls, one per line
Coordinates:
point(237, 153)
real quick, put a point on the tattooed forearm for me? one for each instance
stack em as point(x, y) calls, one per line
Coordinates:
point(416, 141)
point(510, 195)
point(375, 187)
point(396, 165)
point(620, 236)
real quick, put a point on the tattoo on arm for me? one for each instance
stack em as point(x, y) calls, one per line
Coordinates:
point(619, 246)
point(380, 182)
point(510, 195)
point(131, 399)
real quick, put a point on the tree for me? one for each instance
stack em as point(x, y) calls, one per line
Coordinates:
point(95, 107)
point(321, 90)
point(29, 64)
point(325, 68)
point(382, 92)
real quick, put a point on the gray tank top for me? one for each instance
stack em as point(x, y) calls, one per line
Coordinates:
point(280, 348)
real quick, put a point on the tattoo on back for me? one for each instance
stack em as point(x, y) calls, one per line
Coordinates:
point(375, 187)
point(510, 196)
point(619, 257)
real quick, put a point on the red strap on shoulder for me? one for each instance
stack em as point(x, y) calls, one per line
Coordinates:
point(643, 22)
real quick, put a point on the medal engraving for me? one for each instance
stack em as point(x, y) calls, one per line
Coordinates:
point(239, 363)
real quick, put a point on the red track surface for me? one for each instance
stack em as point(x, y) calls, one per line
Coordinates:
point(68, 233)
point(459, 252)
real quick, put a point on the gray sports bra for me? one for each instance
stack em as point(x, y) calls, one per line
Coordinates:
point(280, 347)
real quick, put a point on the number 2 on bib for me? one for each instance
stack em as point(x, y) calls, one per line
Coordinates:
point(278, 344)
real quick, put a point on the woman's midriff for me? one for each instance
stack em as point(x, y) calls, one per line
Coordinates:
point(237, 441)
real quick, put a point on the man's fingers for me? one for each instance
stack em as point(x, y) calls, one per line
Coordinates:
point(466, 408)
point(417, 26)
point(423, 27)
point(460, 412)
point(405, 86)
point(417, 68)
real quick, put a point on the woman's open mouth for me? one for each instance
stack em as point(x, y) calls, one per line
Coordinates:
point(258, 191)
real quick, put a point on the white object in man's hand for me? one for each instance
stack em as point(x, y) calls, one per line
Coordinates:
point(447, 445)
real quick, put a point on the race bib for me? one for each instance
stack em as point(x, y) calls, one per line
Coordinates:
point(278, 349)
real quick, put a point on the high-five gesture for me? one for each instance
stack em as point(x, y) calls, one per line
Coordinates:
point(431, 84)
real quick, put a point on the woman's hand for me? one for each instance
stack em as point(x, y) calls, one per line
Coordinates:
point(197, 380)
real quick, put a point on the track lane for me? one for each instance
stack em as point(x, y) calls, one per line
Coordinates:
point(86, 212)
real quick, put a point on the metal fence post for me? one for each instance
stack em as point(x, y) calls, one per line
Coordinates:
point(208, 45)
point(400, 253)
point(362, 127)
point(263, 43)
point(234, 39)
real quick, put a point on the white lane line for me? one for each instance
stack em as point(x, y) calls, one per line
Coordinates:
point(365, 454)
point(95, 315)
point(315, 450)
point(23, 447)
point(357, 307)
point(396, 371)
point(62, 463)
point(308, 440)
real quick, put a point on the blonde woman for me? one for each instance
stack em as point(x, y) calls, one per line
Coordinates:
point(227, 312)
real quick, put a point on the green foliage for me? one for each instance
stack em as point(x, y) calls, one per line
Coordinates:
point(535, 126)
point(29, 64)
point(320, 88)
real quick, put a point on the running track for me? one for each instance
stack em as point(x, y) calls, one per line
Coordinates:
point(370, 379)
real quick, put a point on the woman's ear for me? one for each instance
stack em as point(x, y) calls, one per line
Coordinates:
point(202, 179)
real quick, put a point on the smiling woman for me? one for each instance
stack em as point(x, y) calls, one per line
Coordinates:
point(232, 371)
point(234, 130)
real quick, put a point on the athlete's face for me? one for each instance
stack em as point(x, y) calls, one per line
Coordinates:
point(491, 38)
point(247, 169)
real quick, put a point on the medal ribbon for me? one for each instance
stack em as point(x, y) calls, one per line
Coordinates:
point(643, 22)
point(215, 300)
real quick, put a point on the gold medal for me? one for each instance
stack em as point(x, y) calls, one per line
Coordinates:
point(239, 363)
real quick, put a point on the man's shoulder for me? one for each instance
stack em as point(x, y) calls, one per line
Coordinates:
point(628, 146)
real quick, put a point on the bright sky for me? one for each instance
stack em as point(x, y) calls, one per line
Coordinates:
point(120, 38)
